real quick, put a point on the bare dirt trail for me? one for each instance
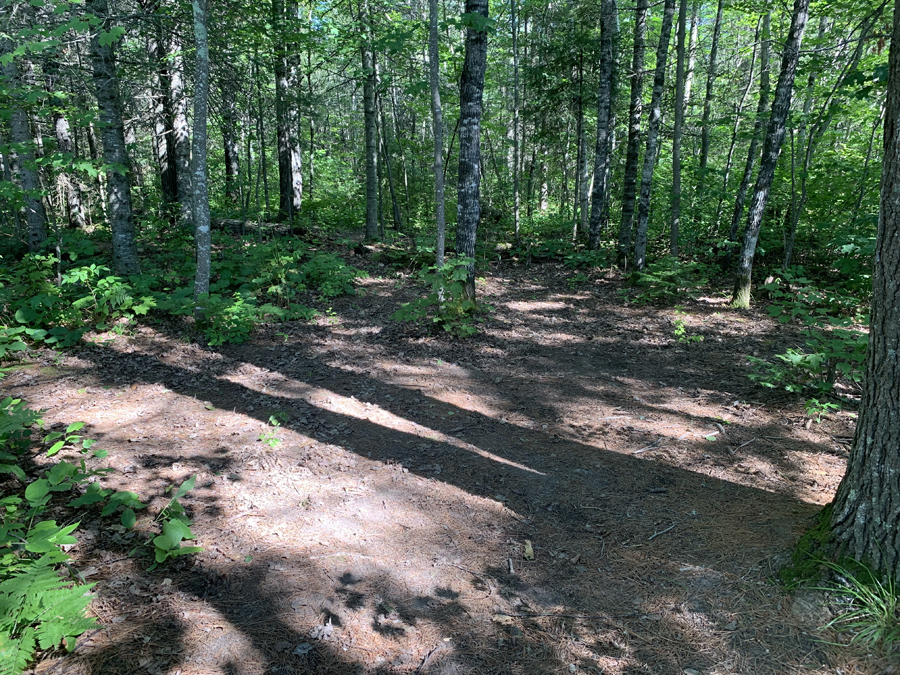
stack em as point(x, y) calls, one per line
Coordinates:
point(385, 531)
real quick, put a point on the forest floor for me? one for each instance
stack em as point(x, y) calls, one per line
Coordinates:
point(386, 530)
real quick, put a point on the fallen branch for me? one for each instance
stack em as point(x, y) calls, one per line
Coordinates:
point(655, 535)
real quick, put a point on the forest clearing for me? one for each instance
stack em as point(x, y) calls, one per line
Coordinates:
point(385, 530)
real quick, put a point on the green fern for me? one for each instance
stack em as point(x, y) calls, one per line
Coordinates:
point(38, 608)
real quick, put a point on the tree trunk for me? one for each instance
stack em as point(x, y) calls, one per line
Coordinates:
point(162, 122)
point(385, 153)
point(707, 105)
point(515, 55)
point(471, 91)
point(230, 143)
point(202, 234)
point(605, 102)
point(864, 514)
point(781, 107)
point(692, 52)
point(659, 81)
point(761, 110)
point(370, 115)
point(20, 135)
point(290, 175)
point(675, 223)
point(68, 184)
point(437, 126)
point(633, 151)
point(181, 138)
point(109, 103)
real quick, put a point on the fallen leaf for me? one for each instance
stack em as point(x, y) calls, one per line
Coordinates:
point(529, 550)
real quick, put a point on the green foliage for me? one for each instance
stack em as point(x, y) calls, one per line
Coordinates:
point(270, 438)
point(819, 409)
point(869, 605)
point(669, 280)
point(833, 345)
point(680, 329)
point(806, 559)
point(176, 527)
point(446, 305)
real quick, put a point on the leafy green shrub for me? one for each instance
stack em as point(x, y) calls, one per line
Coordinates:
point(833, 347)
point(446, 305)
point(38, 607)
point(669, 280)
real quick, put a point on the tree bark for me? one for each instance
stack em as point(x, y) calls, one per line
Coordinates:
point(290, 175)
point(865, 509)
point(370, 116)
point(659, 81)
point(781, 107)
point(675, 223)
point(202, 233)
point(471, 92)
point(515, 55)
point(605, 102)
point(230, 143)
point(181, 137)
point(633, 150)
point(112, 131)
point(20, 135)
point(437, 126)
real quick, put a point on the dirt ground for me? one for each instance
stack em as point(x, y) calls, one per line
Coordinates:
point(386, 530)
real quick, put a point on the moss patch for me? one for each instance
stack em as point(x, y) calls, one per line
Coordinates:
point(811, 550)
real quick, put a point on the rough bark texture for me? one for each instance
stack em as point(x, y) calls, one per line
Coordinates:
point(112, 131)
point(781, 107)
point(758, 125)
point(202, 235)
point(181, 138)
point(633, 150)
point(675, 223)
point(471, 91)
point(20, 135)
point(605, 102)
point(437, 126)
point(867, 505)
point(659, 82)
point(287, 126)
point(370, 116)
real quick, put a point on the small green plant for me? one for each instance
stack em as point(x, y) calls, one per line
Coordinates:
point(446, 305)
point(270, 438)
point(820, 409)
point(176, 527)
point(681, 328)
point(577, 280)
point(869, 606)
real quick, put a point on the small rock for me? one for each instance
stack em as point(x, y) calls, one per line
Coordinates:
point(731, 625)
point(302, 649)
point(573, 668)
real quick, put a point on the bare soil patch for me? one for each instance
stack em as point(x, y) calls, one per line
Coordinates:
point(386, 531)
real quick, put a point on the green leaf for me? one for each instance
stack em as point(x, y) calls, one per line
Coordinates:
point(110, 37)
point(25, 315)
point(37, 490)
point(186, 487)
point(128, 518)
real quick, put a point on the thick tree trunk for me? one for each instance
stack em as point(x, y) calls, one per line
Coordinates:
point(202, 233)
point(633, 149)
point(781, 107)
point(437, 126)
point(758, 125)
point(20, 135)
point(605, 121)
point(109, 103)
point(290, 181)
point(370, 115)
point(181, 137)
point(659, 82)
point(675, 223)
point(864, 514)
point(471, 91)
point(707, 105)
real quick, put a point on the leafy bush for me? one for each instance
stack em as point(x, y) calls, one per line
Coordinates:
point(833, 347)
point(669, 280)
point(38, 607)
point(446, 305)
